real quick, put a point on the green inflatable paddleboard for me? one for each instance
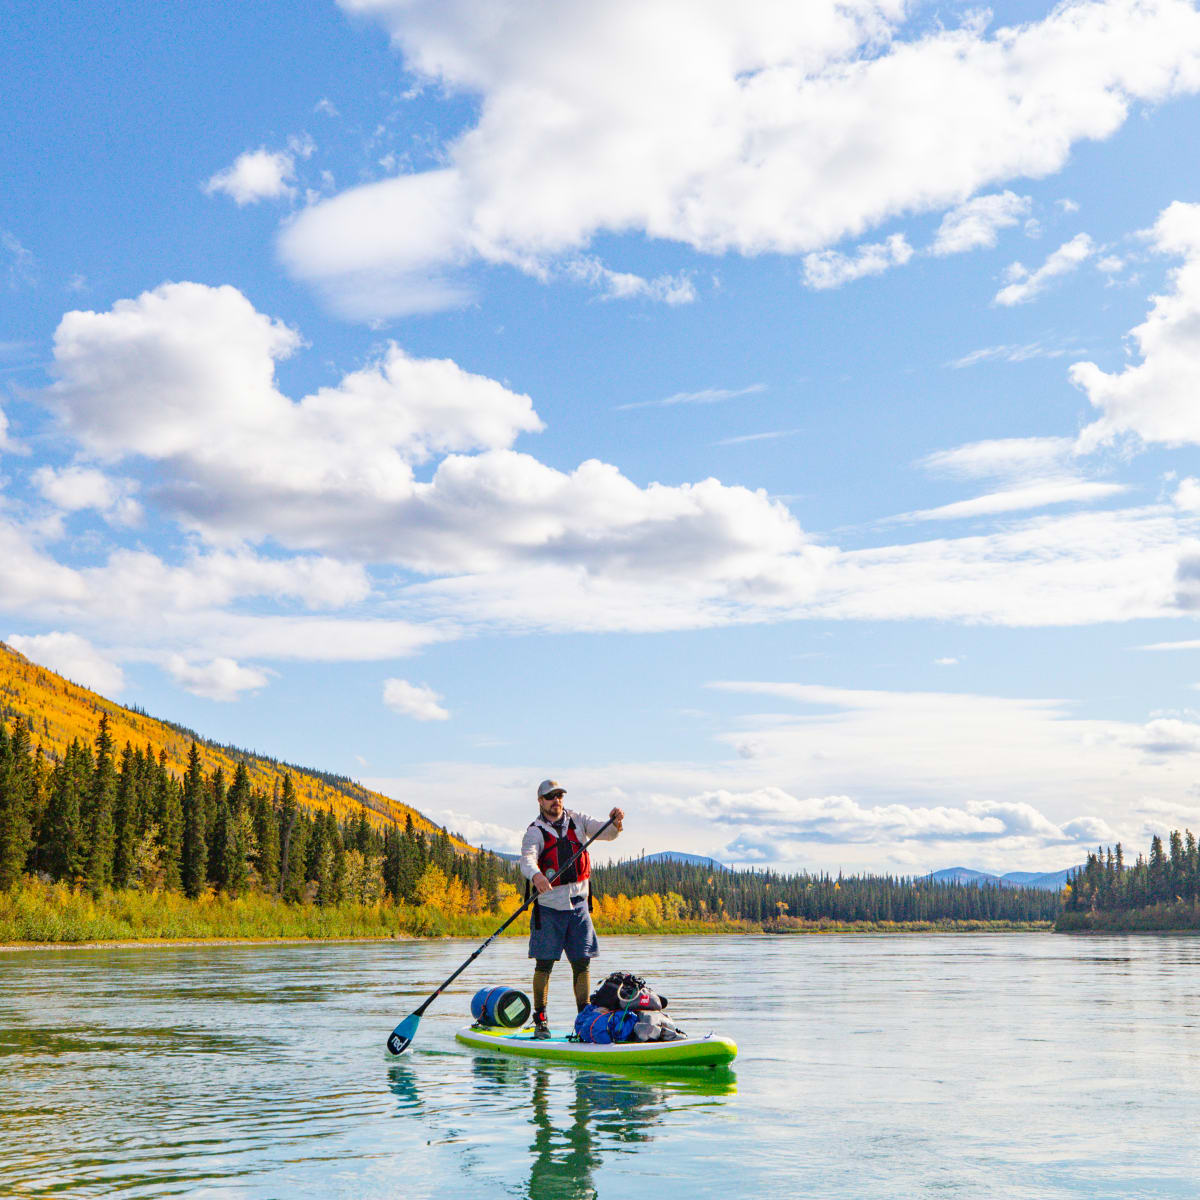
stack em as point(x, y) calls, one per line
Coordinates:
point(707, 1051)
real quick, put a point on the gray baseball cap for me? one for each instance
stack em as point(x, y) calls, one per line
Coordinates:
point(549, 785)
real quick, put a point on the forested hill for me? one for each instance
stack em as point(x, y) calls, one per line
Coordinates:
point(58, 712)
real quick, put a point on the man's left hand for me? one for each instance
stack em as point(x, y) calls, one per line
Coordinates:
point(618, 816)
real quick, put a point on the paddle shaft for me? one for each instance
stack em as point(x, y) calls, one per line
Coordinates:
point(532, 900)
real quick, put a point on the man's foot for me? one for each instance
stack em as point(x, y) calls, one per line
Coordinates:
point(541, 1029)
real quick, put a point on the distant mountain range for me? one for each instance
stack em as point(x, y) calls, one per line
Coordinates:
point(697, 860)
point(679, 856)
point(1050, 881)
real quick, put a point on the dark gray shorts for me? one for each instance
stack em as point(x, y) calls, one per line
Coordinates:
point(570, 931)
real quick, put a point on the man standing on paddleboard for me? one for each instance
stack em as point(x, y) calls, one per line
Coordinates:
point(561, 918)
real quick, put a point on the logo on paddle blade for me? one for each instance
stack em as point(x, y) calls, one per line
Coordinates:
point(396, 1043)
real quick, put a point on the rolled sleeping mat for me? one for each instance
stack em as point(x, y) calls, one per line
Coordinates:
point(505, 1007)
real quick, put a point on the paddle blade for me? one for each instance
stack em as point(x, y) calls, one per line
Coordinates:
point(403, 1034)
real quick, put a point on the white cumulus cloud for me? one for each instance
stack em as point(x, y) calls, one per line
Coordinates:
point(219, 679)
point(1187, 495)
point(416, 700)
point(185, 376)
point(1155, 399)
point(260, 174)
point(72, 656)
point(74, 488)
point(479, 833)
point(769, 127)
point(975, 224)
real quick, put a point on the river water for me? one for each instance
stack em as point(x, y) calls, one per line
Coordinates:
point(1004, 1065)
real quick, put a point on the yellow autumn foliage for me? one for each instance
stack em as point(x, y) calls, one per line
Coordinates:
point(59, 711)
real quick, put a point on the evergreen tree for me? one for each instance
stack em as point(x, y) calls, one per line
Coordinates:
point(266, 836)
point(168, 812)
point(194, 868)
point(1176, 865)
point(318, 846)
point(62, 845)
point(37, 809)
point(412, 860)
point(239, 842)
point(126, 819)
point(294, 836)
point(361, 840)
point(101, 801)
point(220, 835)
point(1159, 882)
point(16, 804)
point(331, 860)
point(391, 862)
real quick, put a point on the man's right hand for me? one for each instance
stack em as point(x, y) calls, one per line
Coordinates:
point(542, 884)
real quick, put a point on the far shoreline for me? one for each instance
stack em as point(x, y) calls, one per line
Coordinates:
point(812, 931)
point(175, 943)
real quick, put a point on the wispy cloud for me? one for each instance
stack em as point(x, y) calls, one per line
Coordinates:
point(706, 396)
point(1038, 495)
point(1024, 284)
point(624, 285)
point(829, 269)
point(758, 437)
point(21, 267)
point(1002, 458)
point(1012, 353)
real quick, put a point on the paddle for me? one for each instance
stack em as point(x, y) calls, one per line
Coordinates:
point(404, 1033)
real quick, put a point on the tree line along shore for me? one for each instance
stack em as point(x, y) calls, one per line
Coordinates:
point(98, 844)
point(1158, 892)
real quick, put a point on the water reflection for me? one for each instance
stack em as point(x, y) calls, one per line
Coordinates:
point(608, 1113)
point(402, 1083)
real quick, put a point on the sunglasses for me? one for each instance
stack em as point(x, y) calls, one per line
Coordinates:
point(554, 795)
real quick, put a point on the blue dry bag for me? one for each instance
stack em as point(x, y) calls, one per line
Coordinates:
point(502, 1006)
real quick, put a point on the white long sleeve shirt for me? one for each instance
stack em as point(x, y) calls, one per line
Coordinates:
point(531, 847)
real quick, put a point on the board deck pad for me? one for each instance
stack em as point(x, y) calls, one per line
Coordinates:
point(707, 1051)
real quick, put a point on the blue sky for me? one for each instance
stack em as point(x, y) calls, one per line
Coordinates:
point(780, 421)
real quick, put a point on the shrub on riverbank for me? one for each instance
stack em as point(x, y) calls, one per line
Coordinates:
point(39, 912)
point(55, 912)
point(1181, 915)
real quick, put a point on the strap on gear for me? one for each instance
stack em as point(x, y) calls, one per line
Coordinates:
point(535, 912)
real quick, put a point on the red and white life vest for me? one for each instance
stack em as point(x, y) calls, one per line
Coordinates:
point(557, 851)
